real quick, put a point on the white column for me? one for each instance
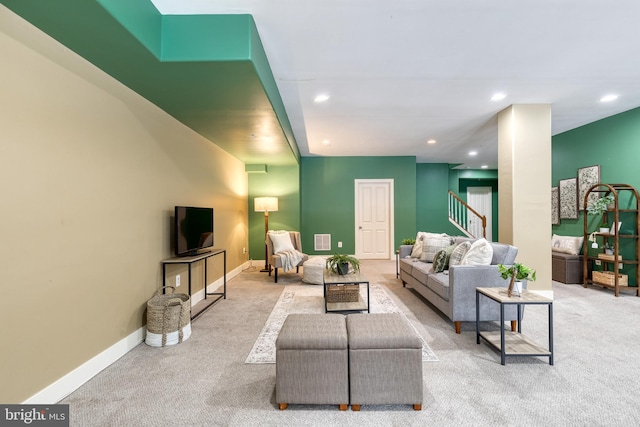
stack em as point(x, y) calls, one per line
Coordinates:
point(524, 179)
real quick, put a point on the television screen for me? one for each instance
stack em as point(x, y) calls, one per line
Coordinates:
point(193, 229)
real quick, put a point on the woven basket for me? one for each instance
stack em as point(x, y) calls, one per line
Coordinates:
point(609, 278)
point(168, 318)
point(343, 293)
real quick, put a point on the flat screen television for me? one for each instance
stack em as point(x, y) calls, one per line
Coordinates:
point(193, 229)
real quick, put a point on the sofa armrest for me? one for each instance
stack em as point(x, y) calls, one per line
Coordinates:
point(405, 250)
point(463, 281)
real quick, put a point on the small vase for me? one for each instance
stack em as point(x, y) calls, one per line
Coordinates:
point(608, 251)
point(343, 268)
point(517, 287)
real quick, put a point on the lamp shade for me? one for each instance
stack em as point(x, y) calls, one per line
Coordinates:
point(265, 204)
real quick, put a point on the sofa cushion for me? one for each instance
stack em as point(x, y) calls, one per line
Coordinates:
point(432, 244)
point(406, 265)
point(568, 244)
point(439, 283)
point(416, 251)
point(459, 252)
point(441, 259)
point(480, 253)
point(503, 254)
point(420, 271)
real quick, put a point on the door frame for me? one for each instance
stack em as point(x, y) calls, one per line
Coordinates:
point(390, 207)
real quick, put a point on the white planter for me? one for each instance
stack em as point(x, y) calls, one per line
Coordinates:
point(604, 229)
point(517, 287)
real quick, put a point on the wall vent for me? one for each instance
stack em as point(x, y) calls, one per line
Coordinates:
point(322, 242)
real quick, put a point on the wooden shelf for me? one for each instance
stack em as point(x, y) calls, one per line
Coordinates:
point(614, 262)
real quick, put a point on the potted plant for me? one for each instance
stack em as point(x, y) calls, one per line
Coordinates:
point(600, 207)
point(517, 272)
point(408, 242)
point(339, 263)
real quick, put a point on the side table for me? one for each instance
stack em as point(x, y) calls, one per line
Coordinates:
point(513, 343)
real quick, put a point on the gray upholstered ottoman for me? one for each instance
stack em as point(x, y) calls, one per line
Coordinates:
point(312, 361)
point(385, 361)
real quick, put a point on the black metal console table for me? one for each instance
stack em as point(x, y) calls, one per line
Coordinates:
point(189, 260)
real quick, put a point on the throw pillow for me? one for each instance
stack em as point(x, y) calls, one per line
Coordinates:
point(281, 241)
point(441, 259)
point(567, 244)
point(416, 251)
point(480, 253)
point(432, 244)
point(458, 253)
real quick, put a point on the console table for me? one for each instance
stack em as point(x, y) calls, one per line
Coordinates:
point(189, 260)
point(513, 343)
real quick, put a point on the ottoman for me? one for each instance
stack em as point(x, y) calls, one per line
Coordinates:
point(385, 361)
point(312, 361)
point(313, 270)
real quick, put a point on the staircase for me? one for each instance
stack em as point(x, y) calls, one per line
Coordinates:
point(465, 218)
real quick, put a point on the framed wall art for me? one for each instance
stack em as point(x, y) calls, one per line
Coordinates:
point(555, 206)
point(568, 198)
point(587, 177)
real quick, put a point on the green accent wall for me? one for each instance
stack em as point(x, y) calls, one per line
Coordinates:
point(282, 182)
point(328, 197)
point(432, 200)
point(612, 143)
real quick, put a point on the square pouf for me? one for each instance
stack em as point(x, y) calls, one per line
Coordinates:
point(385, 361)
point(312, 361)
point(313, 270)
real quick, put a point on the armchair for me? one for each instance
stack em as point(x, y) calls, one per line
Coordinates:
point(276, 257)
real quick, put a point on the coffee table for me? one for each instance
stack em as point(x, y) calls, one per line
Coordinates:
point(332, 279)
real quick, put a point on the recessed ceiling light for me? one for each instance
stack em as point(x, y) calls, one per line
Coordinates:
point(609, 98)
point(326, 142)
point(473, 153)
point(498, 96)
point(321, 98)
point(431, 141)
point(484, 167)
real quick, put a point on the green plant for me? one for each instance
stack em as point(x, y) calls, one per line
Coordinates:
point(601, 205)
point(517, 272)
point(335, 262)
point(408, 242)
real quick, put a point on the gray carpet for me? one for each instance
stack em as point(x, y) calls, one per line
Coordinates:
point(204, 381)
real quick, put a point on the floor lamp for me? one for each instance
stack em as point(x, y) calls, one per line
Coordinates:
point(266, 205)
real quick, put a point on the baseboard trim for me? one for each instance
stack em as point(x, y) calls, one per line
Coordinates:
point(69, 383)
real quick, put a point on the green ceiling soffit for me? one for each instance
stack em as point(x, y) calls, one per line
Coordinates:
point(208, 71)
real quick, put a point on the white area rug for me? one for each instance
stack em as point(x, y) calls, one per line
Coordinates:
point(309, 299)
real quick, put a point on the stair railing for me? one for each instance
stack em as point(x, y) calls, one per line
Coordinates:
point(460, 214)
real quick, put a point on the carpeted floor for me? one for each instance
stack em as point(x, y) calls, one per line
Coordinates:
point(204, 381)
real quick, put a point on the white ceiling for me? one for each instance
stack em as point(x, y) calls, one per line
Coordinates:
point(400, 72)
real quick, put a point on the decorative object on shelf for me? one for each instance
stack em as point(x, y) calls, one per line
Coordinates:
point(615, 228)
point(568, 198)
point(408, 242)
point(266, 205)
point(587, 177)
point(555, 206)
point(339, 263)
point(517, 272)
point(599, 207)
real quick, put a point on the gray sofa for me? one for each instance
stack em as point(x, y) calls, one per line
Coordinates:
point(453, 291)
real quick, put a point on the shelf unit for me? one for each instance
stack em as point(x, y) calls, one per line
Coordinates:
point(613, 262)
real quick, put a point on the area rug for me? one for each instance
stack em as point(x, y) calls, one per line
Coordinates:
point(309, 299)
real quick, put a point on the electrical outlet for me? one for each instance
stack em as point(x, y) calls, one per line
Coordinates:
point(598, 262)
point(339, 244)
point(244, 250)
point(177, 280)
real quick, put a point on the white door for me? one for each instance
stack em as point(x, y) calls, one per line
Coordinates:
point(480, 199)
point(374, 216)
